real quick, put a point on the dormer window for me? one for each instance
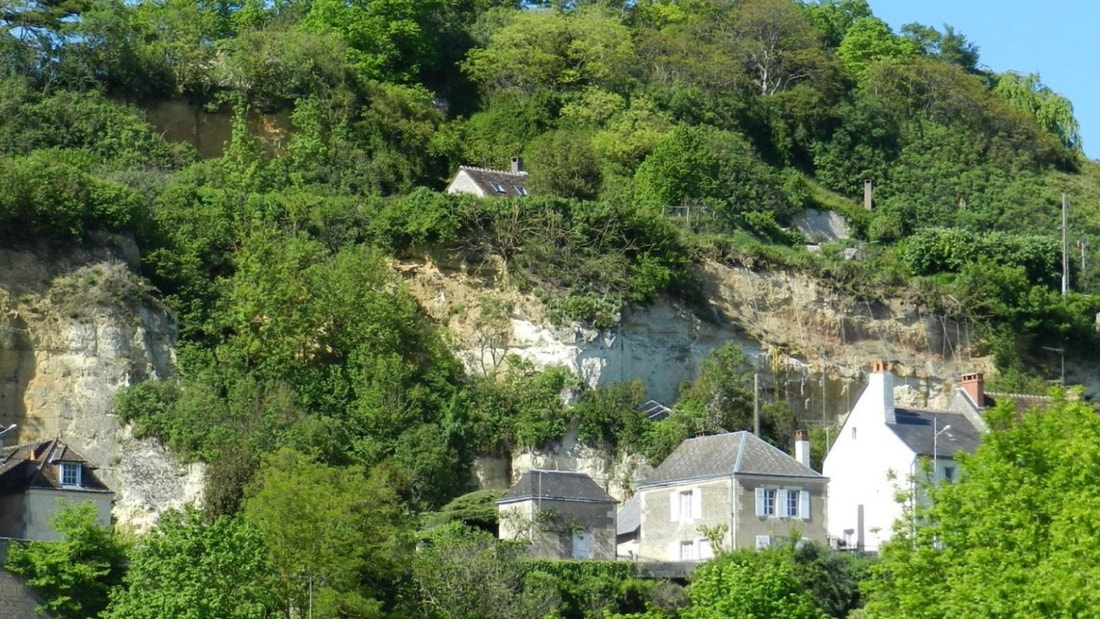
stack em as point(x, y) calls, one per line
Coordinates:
point(521, 190)
point(70, 474)
point(497, 187)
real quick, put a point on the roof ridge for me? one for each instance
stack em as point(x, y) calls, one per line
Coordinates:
point(1019, 395)
point(740, 452)
point(493, 170)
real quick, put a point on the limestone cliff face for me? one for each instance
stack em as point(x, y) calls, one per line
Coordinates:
point(812, 345)
point(75, 326)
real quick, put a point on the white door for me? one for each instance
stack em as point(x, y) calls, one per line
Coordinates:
point(582, 545)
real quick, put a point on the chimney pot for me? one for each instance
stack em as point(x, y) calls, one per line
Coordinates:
point(974, 386)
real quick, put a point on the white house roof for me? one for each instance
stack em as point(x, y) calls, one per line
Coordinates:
point(733, 453)
point(501, 183)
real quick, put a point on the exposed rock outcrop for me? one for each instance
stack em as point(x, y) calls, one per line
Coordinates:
point(76, 325)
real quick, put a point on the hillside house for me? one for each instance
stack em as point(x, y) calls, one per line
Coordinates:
point(564, 515)
point(489, 183)
point(878, 453)
point(733, 490)
point(36, 479)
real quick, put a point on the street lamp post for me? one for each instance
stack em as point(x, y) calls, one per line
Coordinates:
point(936, 446)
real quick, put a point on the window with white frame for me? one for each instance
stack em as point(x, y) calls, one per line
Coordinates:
point(497, 187)
point(949, 473)
point(689, 551)
point(790, 504)
point(783, 502)
point(70, 474)
point(765, 501)
point(763, 541)
point(686, 505)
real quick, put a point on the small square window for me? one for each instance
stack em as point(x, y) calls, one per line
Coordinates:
point(70, 474)
point(497, 187)
point(521, 190)
point(949, 473)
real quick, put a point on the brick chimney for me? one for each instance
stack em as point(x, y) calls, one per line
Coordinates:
point(517, 165)
point(802, 447)
point(974, 387)
point(881, 383)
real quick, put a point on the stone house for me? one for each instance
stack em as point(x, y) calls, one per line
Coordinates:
point(564, 515)
point(36, 479)
point(488, 183)
point(879, 450)
point(732, 491)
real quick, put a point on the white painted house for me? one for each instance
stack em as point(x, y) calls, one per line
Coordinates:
point(879, 450)
point(489, 183)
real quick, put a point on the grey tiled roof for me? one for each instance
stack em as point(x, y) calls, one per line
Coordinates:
point(630, 516)
point(510, 182)
point(33, 465)
point(916, 428)
point(734, 453)
point(556, 485)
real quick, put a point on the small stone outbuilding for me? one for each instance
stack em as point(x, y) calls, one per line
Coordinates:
point(564, 515)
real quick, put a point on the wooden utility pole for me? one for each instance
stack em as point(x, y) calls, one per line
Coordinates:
point(756, 403)
point(1065, 245)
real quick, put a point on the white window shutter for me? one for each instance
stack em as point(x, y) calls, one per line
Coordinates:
point(760, 502)
point(804, 504)
point(674, 506)
point(705, 551)
point(697, 503)
point(673, 551)
point(781, 503)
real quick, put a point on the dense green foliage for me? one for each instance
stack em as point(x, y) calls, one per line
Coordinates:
point(790, 579)
point(1022, 509)
point(74, 575)
point(196, 570)
point(658, 134)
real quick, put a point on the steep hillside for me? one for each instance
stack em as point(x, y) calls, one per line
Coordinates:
point(76, 325)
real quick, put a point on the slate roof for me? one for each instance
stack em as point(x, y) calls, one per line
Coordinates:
point(557, 486)
point(491, 181)
point(915, 428)
point(32, 465)
point(720, 455)
point(629, 517)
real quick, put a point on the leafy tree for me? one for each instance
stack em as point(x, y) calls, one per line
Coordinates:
point(75, 574)
point(949, 46)
point(555, 50)
point(340, 525)
point(193, 569)
point(835, 17)
point(562, 163)
point(463, 573)
point(777, 43)
point(1053, 111)
point(386, 39)
point(1020, 509)
point(749, 583)
point(869, 39)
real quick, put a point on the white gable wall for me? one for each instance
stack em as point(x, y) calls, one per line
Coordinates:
point(860, 464)
point(462, 183)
